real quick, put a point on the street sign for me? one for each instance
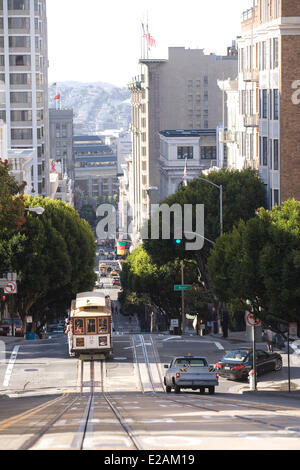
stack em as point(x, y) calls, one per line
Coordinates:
point(251, 320)
point(174, 323)
point(293, 327)
point(10, 288)
point(182, 287)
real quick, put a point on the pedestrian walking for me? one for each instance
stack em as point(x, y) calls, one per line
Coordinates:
point(224, 323)
point(69, 333)
point(269, 335)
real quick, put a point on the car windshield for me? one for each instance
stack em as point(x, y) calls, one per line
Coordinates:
point(235, 356)
point(191, 362)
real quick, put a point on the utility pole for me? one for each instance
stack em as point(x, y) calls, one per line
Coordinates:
point(182, 299)
point(254, 358)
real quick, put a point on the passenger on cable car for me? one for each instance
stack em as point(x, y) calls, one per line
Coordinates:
point(79, 326)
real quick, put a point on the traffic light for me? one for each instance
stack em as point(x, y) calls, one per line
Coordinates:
point(3, 298)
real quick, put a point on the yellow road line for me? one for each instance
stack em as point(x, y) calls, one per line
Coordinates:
point(27, 414)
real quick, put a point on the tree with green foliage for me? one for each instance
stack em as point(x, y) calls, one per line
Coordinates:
point(146, 283)
point(55, 258)
point(258, 264)
point(243, 194)
point(11, 201)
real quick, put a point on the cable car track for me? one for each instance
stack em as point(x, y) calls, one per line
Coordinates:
point(85, 429)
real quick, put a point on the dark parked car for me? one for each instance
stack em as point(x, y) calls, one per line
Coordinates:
point(236, 364)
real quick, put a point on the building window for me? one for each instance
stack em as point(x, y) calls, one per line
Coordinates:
point(20, 60)
point(18, 4)
point(21, 116)
point(265, 151)
point(264, 55)
point(21, 97)
point(270, 154)
point(265, 11)
point(265, 104)
point(276, 13)
point(18, 23)
point(276, 197)
point(276, 104)
point(19, 41)
point(205, 80)
point(20, 79)
point(21, 134)
point(276, 155)
point(208, 153)
point(205, 124)
point(185, 152)
point(275, 53)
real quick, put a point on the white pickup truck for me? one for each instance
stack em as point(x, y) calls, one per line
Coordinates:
point(190, 372)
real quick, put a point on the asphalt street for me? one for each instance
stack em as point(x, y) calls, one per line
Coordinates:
point(51, 401)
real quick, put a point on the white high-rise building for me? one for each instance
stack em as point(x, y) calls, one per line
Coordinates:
point(24, 83)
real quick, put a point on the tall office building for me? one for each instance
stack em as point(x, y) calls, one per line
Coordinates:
point(178, 93)
point(268, 91)
point(24, 83)
point(96, 167)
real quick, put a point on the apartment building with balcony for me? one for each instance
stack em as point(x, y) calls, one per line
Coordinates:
point(24, 83)
point(269, 64)
point(180, 92)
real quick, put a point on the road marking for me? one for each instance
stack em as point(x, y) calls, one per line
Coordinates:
point(219, 346)
point(172, 337)
point(6, 423)
point(10, 366)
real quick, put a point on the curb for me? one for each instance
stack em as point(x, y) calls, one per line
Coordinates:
point(295, 394)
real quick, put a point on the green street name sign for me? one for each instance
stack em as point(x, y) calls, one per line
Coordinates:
point(182, 287)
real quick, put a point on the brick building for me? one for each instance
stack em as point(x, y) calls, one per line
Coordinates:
point(269, 92)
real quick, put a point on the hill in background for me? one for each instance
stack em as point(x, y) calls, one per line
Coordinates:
point(97, 106)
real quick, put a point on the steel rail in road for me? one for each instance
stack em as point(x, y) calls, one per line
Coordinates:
point(85, 429)
point(134, 439)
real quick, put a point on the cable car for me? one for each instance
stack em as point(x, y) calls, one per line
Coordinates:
point(91, 322)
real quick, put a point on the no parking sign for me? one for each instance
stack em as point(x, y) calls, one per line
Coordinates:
point(251, 320)
point(10, 288)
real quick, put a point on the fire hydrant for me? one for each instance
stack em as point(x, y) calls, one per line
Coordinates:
point(252, 380)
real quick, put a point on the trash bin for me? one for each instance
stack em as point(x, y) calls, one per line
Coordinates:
point(30, 336)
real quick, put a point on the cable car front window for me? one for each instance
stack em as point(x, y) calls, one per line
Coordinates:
point(103, 325)
point(91, 326)
point(79, 327)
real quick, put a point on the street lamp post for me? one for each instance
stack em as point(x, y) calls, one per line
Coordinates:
point(36, 210)
point(220, 188)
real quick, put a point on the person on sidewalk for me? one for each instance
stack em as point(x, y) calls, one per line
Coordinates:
point(69, 333)
point(269, 337)
point(225, 323)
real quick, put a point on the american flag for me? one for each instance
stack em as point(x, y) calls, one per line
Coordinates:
point(184, 181)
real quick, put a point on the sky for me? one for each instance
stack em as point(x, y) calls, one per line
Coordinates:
point(100, 40)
